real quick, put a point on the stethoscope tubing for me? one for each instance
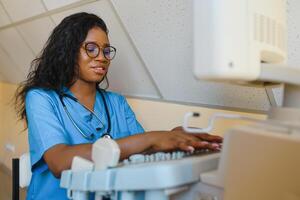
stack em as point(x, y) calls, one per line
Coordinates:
point(107, 134)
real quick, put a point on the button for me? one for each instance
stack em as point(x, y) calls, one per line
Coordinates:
point(151, 157)
point(126, 162)
point(168, 156)
point(159, 156)
point(137, 158)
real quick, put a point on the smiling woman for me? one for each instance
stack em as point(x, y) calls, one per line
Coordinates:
point(67, 111)
point(95, 56)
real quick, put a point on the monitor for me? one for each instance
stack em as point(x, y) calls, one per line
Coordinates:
point(233, 37)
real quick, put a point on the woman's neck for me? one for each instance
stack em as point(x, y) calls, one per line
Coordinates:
point(85, 93)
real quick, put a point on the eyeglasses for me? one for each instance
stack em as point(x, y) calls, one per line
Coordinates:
point(92, 50)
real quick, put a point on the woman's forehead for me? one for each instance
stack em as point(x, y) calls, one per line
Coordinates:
point(98, 36)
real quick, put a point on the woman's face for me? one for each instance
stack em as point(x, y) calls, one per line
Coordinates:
point(93, 70)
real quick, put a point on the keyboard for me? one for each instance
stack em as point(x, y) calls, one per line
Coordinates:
point(162, 156)
point(145, 172)
point(163, 170)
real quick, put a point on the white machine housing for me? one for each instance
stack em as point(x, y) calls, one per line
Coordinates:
point(233, 37)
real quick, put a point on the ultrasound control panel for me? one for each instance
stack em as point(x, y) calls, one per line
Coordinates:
point(142, 174)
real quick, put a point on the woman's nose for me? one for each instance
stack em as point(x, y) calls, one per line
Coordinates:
point(100, 56)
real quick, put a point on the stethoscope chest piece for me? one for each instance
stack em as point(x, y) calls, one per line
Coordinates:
point(106, 135)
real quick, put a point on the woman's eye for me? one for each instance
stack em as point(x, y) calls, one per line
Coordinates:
point(91, 47)
point(106, 51)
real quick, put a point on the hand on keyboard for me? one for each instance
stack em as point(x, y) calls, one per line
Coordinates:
point(215, 140)
point(177, 139)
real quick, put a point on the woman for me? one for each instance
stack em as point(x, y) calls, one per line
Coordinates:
point(66, 111)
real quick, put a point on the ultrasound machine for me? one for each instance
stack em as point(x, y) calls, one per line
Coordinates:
point(235, 41)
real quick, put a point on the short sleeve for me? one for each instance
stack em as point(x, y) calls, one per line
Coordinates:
point(44, 128)
point(132, 123)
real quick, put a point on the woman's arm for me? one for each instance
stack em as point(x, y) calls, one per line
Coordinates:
point(59, 157)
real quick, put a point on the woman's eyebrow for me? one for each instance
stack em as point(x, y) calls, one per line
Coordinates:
point(106, 44)
point(103, 45)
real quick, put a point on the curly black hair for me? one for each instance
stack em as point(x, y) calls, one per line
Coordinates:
point(56, 66)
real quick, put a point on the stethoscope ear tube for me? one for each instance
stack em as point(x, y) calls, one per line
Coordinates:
point(75, 125)
point(106, 135)
point(107, 115)
point(62, 95)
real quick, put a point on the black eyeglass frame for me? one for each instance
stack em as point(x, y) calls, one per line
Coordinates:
point(100, 48)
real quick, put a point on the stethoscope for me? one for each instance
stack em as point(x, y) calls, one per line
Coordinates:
point(92, 136)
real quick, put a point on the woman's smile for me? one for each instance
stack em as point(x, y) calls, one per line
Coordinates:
point(99, 70)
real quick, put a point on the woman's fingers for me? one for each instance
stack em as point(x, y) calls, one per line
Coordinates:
point(199, 144)
point(206, 145)
point(179, 140)
point(209, 138)
point(192, 145)
point(185, 147)
point(199, 136)
point(202, 136)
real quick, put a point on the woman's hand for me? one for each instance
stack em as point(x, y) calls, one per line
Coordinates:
point(177, 139)
point(166, 141)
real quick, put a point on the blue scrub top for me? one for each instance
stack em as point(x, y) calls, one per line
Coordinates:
point(49, 125)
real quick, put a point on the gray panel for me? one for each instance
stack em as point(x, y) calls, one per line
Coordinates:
point(127, 72)
point(162, 33)
point(22, 9)
point(36, 32)
point(294, 33)
point(53, 4)
point(17, 49)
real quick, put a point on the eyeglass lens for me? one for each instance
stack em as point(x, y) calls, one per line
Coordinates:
point(93, 50)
